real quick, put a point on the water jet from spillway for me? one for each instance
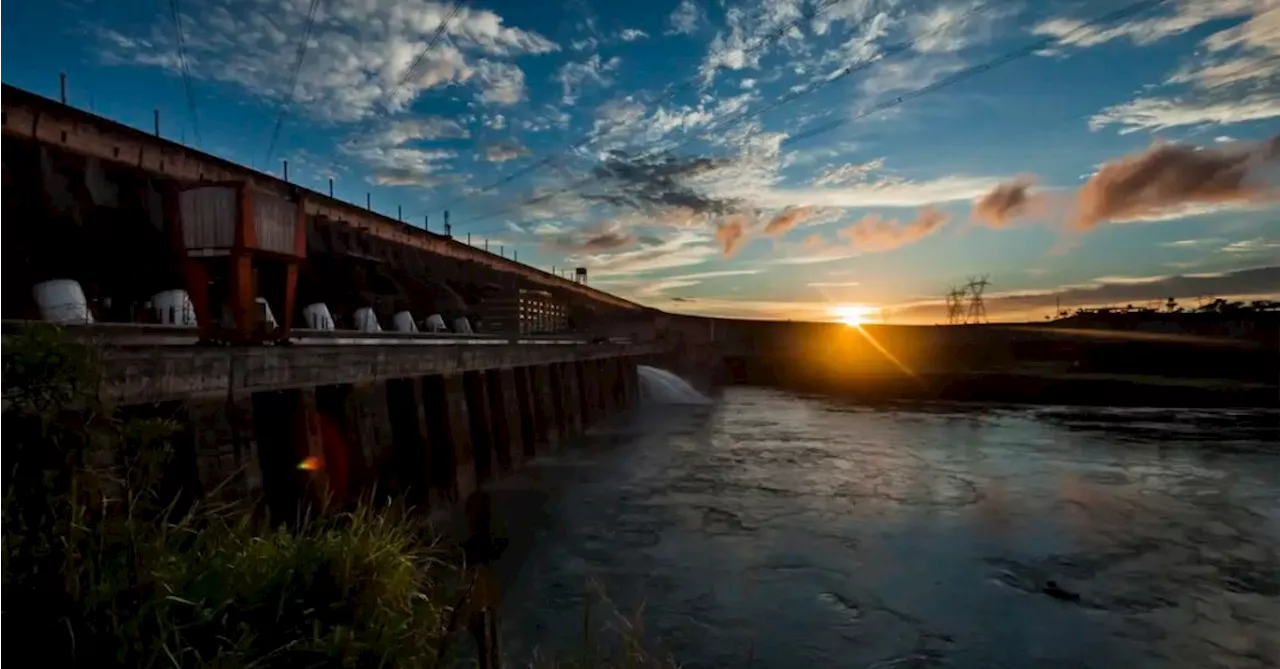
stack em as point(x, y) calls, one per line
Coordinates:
point(659, 386)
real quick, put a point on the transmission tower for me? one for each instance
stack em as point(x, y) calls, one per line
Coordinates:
point(977, 308)
point(955, 306)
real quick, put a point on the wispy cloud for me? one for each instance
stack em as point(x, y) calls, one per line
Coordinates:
point(1229, 79)
point(360, 51)
point(686, 18)
point(499, 152)
point(575, 76)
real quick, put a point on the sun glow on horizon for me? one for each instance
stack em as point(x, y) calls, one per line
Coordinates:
point(853, 315)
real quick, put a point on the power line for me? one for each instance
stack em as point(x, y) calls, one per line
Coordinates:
point(1039, 45)
point(688, 83)
point(966, 73)
point(435, 37)
point(176, 11)
point(293, 79)
point(859, 66)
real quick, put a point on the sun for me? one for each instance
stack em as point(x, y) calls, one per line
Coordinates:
point(853, 315)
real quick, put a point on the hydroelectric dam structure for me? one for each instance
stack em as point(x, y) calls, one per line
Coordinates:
point(310, 347)
point(316, 348)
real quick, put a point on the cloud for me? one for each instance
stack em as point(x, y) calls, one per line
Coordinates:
point(889, 193)
point(849, 173)
point(1173, 175)
point(876, 233)
point(747, 27)
point(500, 152)
point(730, 233)
point(605, 235)
point(786, 220)
point(647, 290)
point(682, 248)
point(1185, 15)
point(814, 255)
point(632, 35)
point(501, 83)
point(359, 53)
point(547, 119)
point(1190, 243)
point(422, 128)
point(1006, 202)
point(573, 77)
point(1256, 246)
point(659, 182)
point(394, 159)
point(686, 18)
point(1162, 113)
point(1233, 77)
point(938, 37)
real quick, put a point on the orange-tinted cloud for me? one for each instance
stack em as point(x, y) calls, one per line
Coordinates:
point(876, 233)
point(1005, 202)
point(786, 220)
point(730, 233)
point(1167, 176)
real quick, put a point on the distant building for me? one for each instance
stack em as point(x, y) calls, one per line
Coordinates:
point(525, 312)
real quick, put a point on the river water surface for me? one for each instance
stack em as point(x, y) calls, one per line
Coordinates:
point(774, 530)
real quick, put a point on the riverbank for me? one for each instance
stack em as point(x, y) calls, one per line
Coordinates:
point(1028, 385)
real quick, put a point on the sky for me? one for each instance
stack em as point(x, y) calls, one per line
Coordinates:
point(744, 158)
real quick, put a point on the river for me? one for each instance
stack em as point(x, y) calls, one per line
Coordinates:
point(768, 529)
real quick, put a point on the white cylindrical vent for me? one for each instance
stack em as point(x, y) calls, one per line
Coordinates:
point(318, 317)
point(264, 312)
point(435, 323)
point(62, 301)
point(173, 307)
point(462, 325)
point(403, 322)
point(366, 320)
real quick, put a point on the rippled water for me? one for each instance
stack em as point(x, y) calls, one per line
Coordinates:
point(771, 530)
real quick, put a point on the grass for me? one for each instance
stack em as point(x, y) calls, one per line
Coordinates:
point(107, 561)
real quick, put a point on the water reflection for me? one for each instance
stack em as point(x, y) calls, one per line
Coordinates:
point(798, 530)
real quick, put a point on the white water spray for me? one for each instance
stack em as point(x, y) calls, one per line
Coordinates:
point(663, 387)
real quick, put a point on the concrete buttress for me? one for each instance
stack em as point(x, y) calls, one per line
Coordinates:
point(370, 426)
point(406, 472)
point(530, 420)
point(550, 421)
point(480, 420)
point(225, 448)
point(568, 402)
point(505, 405)
point(454, 466)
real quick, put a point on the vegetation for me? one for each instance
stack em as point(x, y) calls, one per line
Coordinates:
point(108, 561)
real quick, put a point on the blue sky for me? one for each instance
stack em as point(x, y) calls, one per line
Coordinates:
point(672, 147)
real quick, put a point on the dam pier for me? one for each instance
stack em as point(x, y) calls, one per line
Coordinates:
point(431, 436)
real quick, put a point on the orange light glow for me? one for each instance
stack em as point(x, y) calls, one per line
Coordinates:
point(311, 464)
point(852, 314)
